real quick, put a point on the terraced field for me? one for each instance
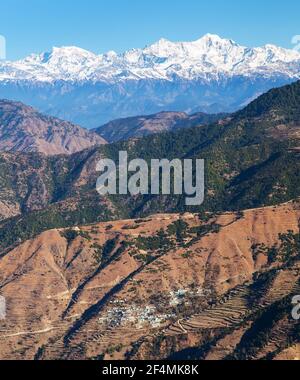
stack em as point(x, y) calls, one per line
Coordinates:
point(231, 319)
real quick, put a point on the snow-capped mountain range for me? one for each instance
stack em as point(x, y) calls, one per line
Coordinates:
point(206, 58)
point(211, 74)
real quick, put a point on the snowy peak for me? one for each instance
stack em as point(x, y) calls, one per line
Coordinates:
point(163, 48)
point(194, 49)
point(207, 58)
point(214, 41)
point(274, 53)
point(61, 53)
point(61, 63)
point(221, 53)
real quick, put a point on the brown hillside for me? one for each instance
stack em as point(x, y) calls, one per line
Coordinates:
point(127, 289)
point(23, 129)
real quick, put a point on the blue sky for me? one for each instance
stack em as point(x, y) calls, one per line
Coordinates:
point(102, 25)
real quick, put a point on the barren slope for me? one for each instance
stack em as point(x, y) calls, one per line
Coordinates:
point(168, 285)
point(23, 129)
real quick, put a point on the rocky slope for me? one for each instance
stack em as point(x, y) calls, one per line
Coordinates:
point(206, 287)
point(209, 75)
point(23, 129)
point(140, 126)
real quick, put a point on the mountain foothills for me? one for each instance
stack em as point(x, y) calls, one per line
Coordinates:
point(23, 129)
point(208, 75)
point(141, 126)
point(145, 277)
point(174, 286)
point(252, 160)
